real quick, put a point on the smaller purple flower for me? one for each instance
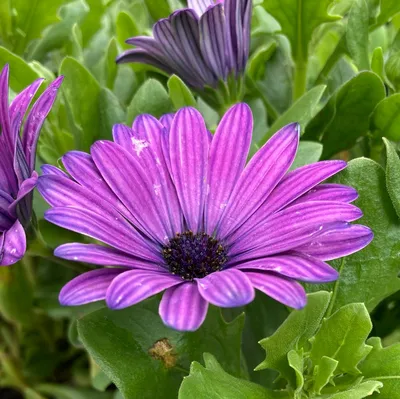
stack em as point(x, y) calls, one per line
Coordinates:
point(179, 210)
point(17, 162)
point(203, 44)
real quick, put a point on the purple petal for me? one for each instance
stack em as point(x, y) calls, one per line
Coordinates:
point(143, 57)
point(35, 120)
point(25, 206)
point(329, 192)
point(21, 103)
point(88, 287)
point(294, 265)
point(135, 286)
point(13, 245)
point(117, 166)
point(200, 6)
point(83, 170)
point(228, 154)
point(183, 308)
point(171, 45)
point(166, 120)
point(4, 114)
point(238, 18)
point(52, 170)
point(100, 255)
point(260, 177)
point(115, 232)
point(292, 186)
point(213, 40)
point(226, 289)
point(61, 191)
point(335, 243)
point(189, 162)
point(292, 227)
point(282, 289)
point(186, 26)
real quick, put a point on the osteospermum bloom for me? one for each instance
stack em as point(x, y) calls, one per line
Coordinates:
point(202, 44)
point(181, 211)
point(17, 162)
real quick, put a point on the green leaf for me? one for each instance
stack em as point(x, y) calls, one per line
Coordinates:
point(378, 62)
point(342, 337)
point(257, 62)
point(359, 391)
point(31, 19)
point(383, 364)
point(298, 20)
point(151, 98)
point(392, 69)
point(301, 111)
point(5, 18)
point(385, 120)
point(345, 117)
point(294, 333)
point(157, 9)
point(307, 153)
point(180, 94)
point(323, 373)
point(388, 8)
point(126, 28)
point(56, 35)
point(65, 392)
point(110, 64)
point(21, 74)
point(212, 382)
point(82, 92)
point(379, 261)
point(393, 175)
point(110, 112)
point(357, 34)
point(16, 293)
point(296, 362)
point(144, 358)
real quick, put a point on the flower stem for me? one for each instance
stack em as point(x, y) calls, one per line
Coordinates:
point(300, 79)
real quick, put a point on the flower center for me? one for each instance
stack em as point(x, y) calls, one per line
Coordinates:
point(194, 255)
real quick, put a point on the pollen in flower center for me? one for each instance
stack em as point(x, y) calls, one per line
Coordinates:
point(194, 255)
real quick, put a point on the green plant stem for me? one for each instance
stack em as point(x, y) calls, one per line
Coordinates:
point(300, 79)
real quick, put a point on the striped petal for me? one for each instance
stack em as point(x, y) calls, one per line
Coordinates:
point(35, 120)
point(227, 289)
point(111, 159)
point(260, 177)
point(52, 170)
point(183, 308)
point(189, 162)
point(292, 227)
point(339, 242)
point(329, 192)
point(115, 232)
point(294, 265)
point(135, 286)
point(13, 245)
point(213, 40)
point(228, 154)
point(100, 255)
point(88, 287)
point(282, 289)
point(200, 6)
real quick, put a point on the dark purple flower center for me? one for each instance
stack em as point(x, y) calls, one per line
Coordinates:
point(194, 255)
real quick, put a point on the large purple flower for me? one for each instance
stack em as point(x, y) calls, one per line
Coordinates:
point(17, 162)
point(181, 211)
point(202, 44)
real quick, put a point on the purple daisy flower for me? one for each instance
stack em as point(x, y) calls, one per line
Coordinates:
point(202, 44)
point(17, 162)
point(181, 211)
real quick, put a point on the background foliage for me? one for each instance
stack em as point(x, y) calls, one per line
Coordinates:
point(333, 66)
